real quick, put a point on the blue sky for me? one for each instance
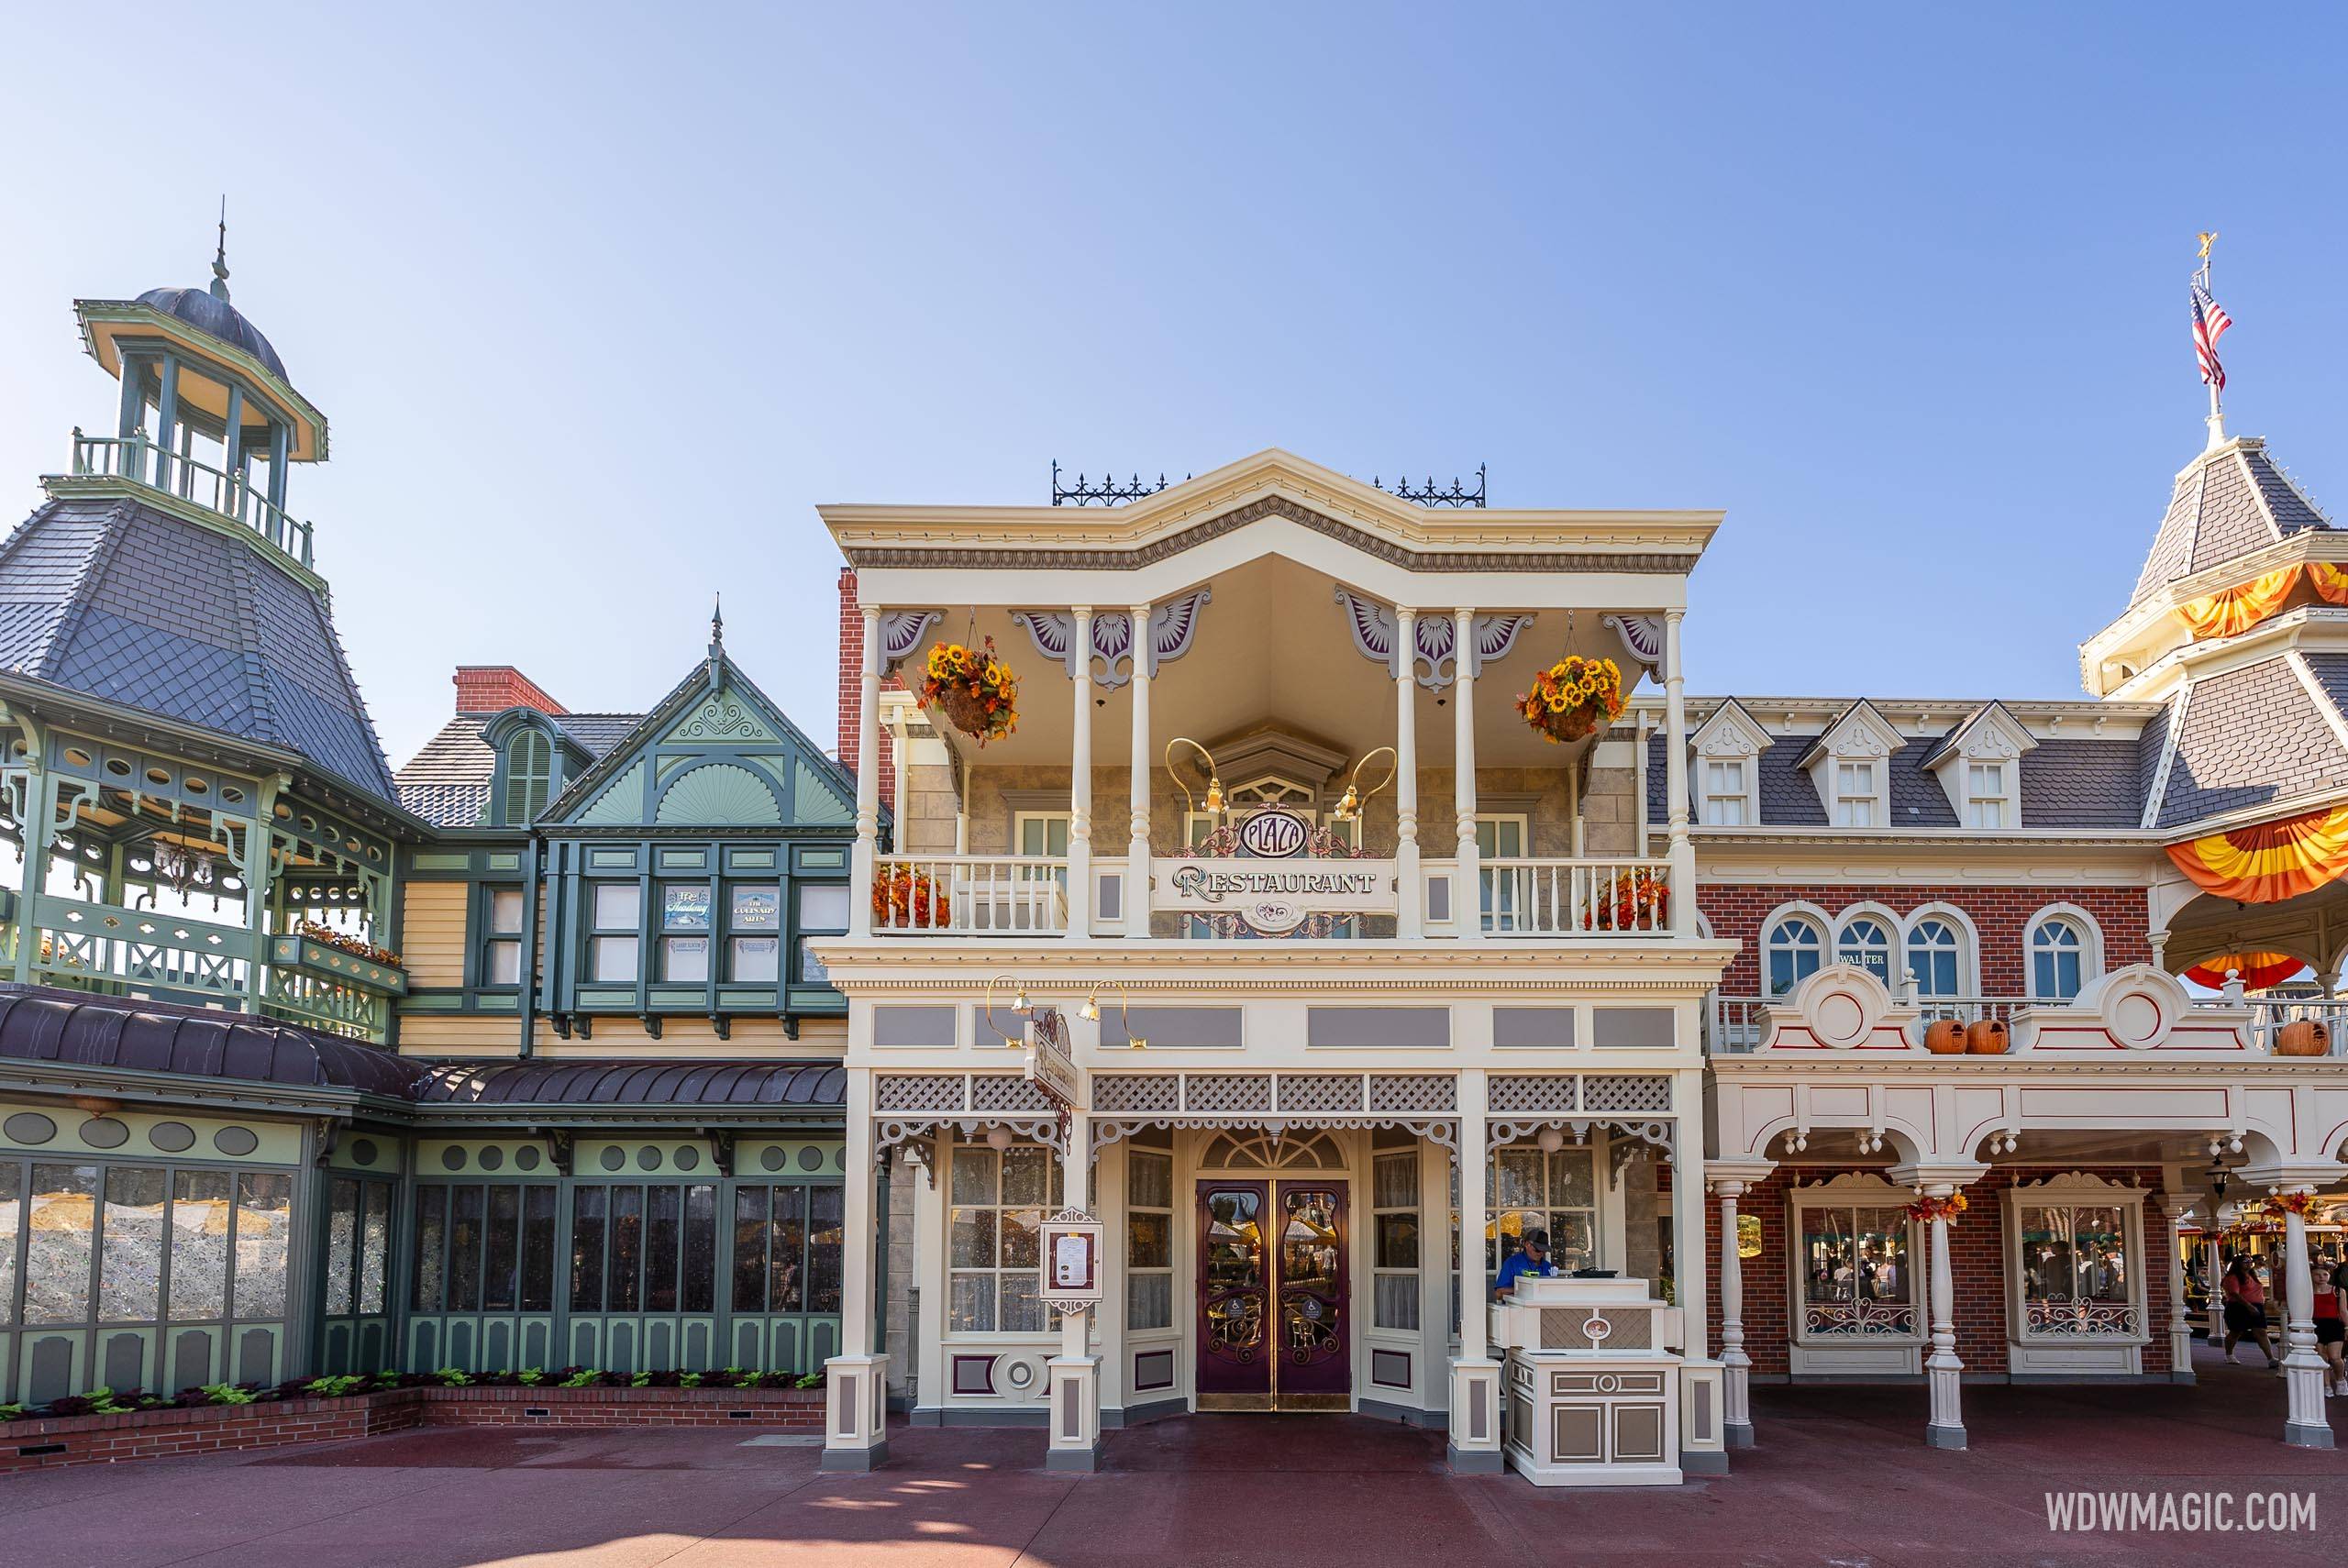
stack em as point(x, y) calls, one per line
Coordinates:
point(601, 303)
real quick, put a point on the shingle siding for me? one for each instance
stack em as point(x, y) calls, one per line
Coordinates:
point(2251, 735)
point(2225, 507)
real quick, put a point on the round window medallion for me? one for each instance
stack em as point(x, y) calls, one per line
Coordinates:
point(493, 1159)
point(104, 1132)
point(688, 1158)
point(28, 1127)
point(1018, 1374)
point(452, 1159)
point(363, 1150)
point(648, 1159)
point(770, 1158)
point(171, 1137)
point(811, 1159)
point(839, 1158)
point(235, 1141)
point(527, 1159)
point(611, 1159)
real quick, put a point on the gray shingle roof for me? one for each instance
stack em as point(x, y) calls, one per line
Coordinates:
point(2248, 737)
point(138, 607)
point(2081, 783)
point(2226, 505)
point(447, 782)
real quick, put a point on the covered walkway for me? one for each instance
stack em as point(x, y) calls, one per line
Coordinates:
point(1839, 1476)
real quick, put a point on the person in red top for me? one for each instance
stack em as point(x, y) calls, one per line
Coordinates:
point(2331, 1329)
point(2245, 1296)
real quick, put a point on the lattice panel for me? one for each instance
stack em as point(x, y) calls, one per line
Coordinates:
point(1416, 1094)
point(1000, 1093)
point(1137, 1091)
point(1543, 1092)
point(1626, 1091)
point(1220, 1094)
point(918, 1091)
point(1323, 1092)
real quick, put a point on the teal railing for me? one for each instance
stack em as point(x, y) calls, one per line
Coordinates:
point(137, 458)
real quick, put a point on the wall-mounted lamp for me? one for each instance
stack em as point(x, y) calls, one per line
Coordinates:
point(1091, 1011)
point(1351, 808)
point(1214, 779)
point(1019, 1004)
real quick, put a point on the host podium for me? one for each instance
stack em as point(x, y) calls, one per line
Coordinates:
point(1594, 1397)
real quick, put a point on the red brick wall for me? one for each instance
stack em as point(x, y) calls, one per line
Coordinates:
point(494, 688)
point(2001, 916)
point(851, 692)
point(1976, 1264)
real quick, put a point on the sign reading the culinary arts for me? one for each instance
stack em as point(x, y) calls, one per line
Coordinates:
point(1070, 1264)
point(1275, 895)
point(1051, 1061)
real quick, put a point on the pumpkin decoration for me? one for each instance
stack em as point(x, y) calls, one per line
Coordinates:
point(1986, 1037)
point(905, 898)
point(2303, 1037)
point(976, 690)
point(1570, 697)
point(1946, 1037)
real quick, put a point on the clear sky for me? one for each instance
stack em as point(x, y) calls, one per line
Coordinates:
point(601, 303)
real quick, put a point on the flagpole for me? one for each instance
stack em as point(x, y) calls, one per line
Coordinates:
point(2216, 418)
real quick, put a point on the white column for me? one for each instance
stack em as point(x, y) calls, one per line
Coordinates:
point(1137, 850)
point(1675, 775)
point(855, 1420)
point(1408, 917)
point(1074, 1375)
point(2174, 1206)
point(1690, 1259)
point(1473, 1445)
point(1944, 1426)
point(1467, 882)
point(1079, 785)
point(2306, 1426)
point(1736, 1376)
point(868, 781)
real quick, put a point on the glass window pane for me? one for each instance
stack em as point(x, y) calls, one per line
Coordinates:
point(589, 1208)
point(1398, 1241)
point(616, 958)
point(1022, 1232)
point(758, 906)
point(971, 1238)
point(57, 1253)
point(1149, 1241)
point(825, 1208)
point(787, 1275)
point(265, 1242)
point(374, 1245)
point(758, 961)
point(1150, 1301)
point(616, 904)
point(750, 1249)
point(1025, 1173)
point(1573, 1177)
point(663, 1214)
point(1019, 1310)
point(12, 1200)
point(1396, 1304)
point(501, 1274)
point(626, 1287)
point(970, 1304)
point(505, 911)
point(823, 906)
point(1394, 1181)
point(1573, 1240)
point(537, 1247)
point(131, 1255)
point(1518, 1180)
point(342, 1244)
point(1149, 1181)
point(467, 1206)
point(685, 958)
point(502, 964)
point(684, 906)
point(699, 1293)
point(431, 1245)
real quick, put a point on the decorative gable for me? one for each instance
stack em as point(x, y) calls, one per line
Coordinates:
point(1849, 764)
point(1725, 781)
point(1979, 765)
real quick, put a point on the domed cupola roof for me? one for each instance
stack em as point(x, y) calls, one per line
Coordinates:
point(210, 312)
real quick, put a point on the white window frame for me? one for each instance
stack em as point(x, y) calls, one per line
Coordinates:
point(1406, 1156)
point(2035, 1350)
point(1981, 804)
point(2090, 936)
point(1895, 1355)
point(1956, 951)
point(1884, 921)
point(1172, 1268)
point(1727, 803)
point(1850, 804)
point(997, 1271)
point(1816, 920)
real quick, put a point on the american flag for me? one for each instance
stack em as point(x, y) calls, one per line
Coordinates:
point(2209, 323)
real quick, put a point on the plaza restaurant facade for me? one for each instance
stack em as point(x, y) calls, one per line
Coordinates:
point(1274, 951)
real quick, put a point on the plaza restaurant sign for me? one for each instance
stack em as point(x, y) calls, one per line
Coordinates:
point(1273, 889)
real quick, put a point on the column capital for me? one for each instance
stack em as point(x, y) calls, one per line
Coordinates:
point(1405, 614)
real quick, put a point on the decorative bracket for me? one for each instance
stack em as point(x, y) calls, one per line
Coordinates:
point(1172, 626)
point(1434, 658)
point(901, 632)
point(1642, 637)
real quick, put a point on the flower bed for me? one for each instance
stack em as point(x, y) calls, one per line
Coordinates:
point(162, 1430)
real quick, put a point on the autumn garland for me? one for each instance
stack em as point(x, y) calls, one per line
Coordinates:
point(2298, 1203)
point(903, 898)
point(327, 936)
point(1930, 1208)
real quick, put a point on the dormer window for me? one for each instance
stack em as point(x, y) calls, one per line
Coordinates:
point(1985, 794)
point(529, 774)
point(1855, 794)
point(1726, 772)
point(1724, 790)
point(1979, 765)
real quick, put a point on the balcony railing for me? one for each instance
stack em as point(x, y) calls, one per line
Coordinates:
point(1574, 898)
point(1733, 1026)
point(140, 460)
point(971, 895)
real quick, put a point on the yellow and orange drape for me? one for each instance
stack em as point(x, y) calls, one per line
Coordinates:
point(2258, 970)
point(2271, 862)
point(2233, 611)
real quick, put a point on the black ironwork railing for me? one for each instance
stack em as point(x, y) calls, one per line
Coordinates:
point(1110, 491)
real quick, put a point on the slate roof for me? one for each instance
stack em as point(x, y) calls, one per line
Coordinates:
point(132, 605)
point(447, 782)
point(2248, 737)
point(2226, 503)
point(214, 316)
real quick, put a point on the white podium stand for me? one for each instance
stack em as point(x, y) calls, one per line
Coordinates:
point(1593, 1397)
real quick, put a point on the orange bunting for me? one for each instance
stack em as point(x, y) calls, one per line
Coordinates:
point(2270, 862)
point(2230, 612)
point(2258, 970)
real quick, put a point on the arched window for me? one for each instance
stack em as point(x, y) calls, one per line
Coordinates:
point(2058, 959)
point(1791, 953)
point(1933, 949)
point(529, 770)
point(1866, 941)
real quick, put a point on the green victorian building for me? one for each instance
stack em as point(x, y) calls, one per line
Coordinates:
point(515, 1057)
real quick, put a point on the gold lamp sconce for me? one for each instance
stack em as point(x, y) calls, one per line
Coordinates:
point(1213, 802)
point(1023, 1004)
point(1351, 808)
point(1091, 1011)
point(1020, 1004)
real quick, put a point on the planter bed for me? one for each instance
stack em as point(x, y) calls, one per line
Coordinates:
point(50, 1441)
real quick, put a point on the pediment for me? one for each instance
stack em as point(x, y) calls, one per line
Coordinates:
point(1730, 731)
point(1859, 731)
point(1989, 733)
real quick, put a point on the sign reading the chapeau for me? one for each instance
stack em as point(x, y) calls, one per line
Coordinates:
point(1276, 896)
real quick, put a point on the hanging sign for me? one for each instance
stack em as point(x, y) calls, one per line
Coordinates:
point(1051, 1062)
point(1276, 896)
point(1070, 1266)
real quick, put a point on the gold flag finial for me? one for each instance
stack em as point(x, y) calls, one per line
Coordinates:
point(2209, 238)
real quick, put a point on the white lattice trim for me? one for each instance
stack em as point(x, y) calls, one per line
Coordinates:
point(917, 1092)
point(1137, 1091)
point(1315, 1092)
point(1539, 1092)
point(1626, 1091)
point(1227, 1092)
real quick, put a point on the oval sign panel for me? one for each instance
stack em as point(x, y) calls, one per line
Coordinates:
point(1274, 835)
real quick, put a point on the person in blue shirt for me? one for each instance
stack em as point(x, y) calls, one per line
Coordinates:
point(1533, 1258)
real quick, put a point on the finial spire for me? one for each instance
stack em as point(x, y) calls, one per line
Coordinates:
point(717, 627)
point(2209, 323)
point(220, 255)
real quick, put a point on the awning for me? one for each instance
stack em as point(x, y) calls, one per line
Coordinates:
point(38, 1023)
point(813, 1086)
point(2270, 862)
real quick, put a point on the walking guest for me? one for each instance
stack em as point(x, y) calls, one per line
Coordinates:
point(2330, 1328)
point(2246, 1310)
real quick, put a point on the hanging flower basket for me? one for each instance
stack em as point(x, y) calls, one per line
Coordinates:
point(1949, 1207)
point(976, 691)
point(903, 898)
point(1570, 697)
point(327, 936)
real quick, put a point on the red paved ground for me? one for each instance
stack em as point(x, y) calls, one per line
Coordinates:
point(1841, 1476)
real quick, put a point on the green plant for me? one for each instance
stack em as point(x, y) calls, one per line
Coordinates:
point(222, 1393)
point(12, 1412)
point(454, 1377)
point(641, 1380)
point(103, 1402)
point(530, 1376)
point(811, 1380)
point(689, 1380)
point(585, 1377)
point(336, 1387)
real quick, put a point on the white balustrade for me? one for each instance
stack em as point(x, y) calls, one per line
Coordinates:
point(1733, 1026)
point(960, 895)
point(1574, 898)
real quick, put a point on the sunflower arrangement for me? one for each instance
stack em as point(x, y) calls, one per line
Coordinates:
point(975, 690)
point(1948, 1209)
point(327, 936)
point(1568, 698)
